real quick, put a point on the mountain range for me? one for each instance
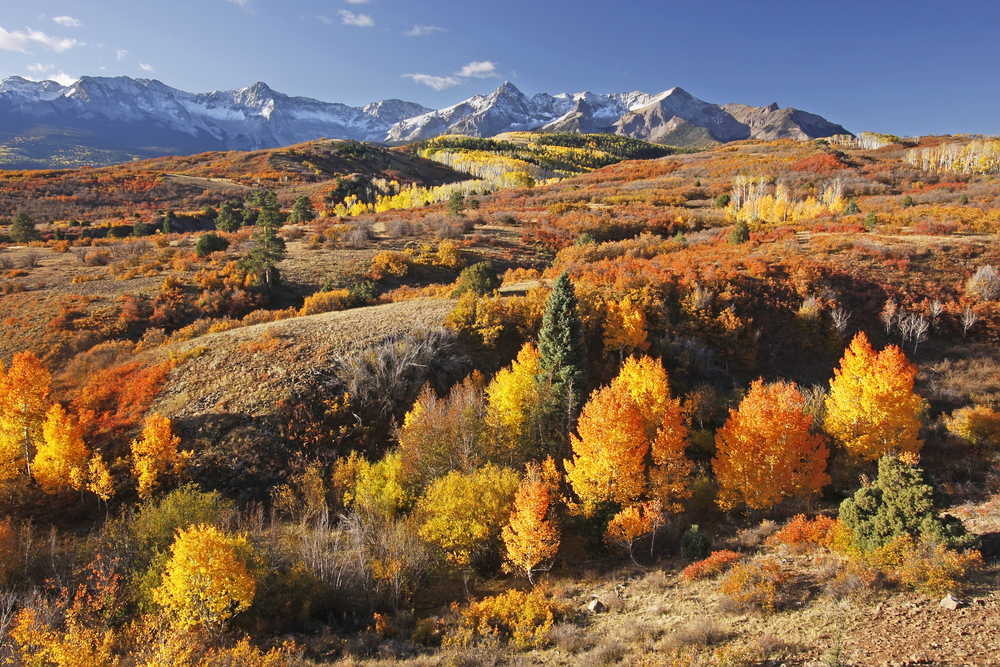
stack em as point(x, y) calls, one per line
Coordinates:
point(122, 118)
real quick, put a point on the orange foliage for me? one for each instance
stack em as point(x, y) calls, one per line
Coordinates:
point(717, 563)
point(115, 399)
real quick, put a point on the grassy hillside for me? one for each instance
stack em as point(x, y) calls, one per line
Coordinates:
point(754, 260)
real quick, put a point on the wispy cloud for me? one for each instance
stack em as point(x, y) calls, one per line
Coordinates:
point(67, 21)
point(421, 30)
point(122, 54)
point(325, 19)
point(145, 67)
point(478, 70)
point(357, 2)
point(435, 82)
point(360, 20)
point(245, 5)
point(40, 68)
point(20, 41)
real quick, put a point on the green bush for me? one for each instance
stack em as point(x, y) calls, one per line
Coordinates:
point(899, 502)
point(480, 278)
point(852, 208)
point(722, 201)
point(739, 234)
point(209, 243)
point(695, 545)
point(871, 220)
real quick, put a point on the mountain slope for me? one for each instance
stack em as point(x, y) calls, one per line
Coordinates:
point(98, 120)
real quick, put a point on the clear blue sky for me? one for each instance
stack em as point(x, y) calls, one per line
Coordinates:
point(905, 67)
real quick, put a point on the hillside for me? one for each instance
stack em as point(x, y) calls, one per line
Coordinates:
point(371, 427)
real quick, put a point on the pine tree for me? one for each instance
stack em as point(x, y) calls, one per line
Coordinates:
point(268, 248)
point(302, 210)
point(227, 220)
point(23, 229)
point(561, 343)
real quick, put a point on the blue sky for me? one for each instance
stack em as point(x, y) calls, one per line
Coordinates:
point(908, 68)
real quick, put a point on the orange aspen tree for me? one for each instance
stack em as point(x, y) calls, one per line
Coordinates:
point(23, 393)
point(872, 409)
point(61, 461)
point(609, 454)
point(625, 327)
point(155, 454)
point(765, 451)
point(531, 535)
point(631, 525)
point(645, 381)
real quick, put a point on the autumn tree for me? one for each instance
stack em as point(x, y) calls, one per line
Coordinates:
point(645, 380)
point(625, 328)
point(61, 460)
point(443, 434)
point(871, 408)
point(514, 416)
point(155, 454)
point(765, 451)
point(23, 393)
point(466, 510)
point(99, 479)
point(206, 581)
point(631, 525)
point(563, 349)
point(532, 534)
point(608, 463)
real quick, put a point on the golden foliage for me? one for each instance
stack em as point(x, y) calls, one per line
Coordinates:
point(632, 524)
point(513, 400)
point(765, 451)
point(625, 327)
point(609, 453)
point(23, 393)
point(466, 510)
point(326, 302)
point(523, 619)
point(155, 454)
point(61, 461)
point(531, 535)
point(206, 582)
point(871, 409)
point(978, 425)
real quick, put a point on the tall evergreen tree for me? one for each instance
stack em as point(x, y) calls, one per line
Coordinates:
point(302, 210)
point(563, 349)
point(268, 248)
point(23, 229)
point(227, 220)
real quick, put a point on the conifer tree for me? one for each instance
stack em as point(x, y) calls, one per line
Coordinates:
point(227, 220)
point(268, 248)
point(302, 210)
point(561, 344)
point(23, 229)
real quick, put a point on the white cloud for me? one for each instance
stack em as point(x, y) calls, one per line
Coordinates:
point(40, 68)
point(478, 70)
point(122, 54)
point(324, 19)
point(360, 20)
point(20, 41)
point(420, 30)
point(245, 5)
point(435, 82)
point(357, 2)
point(146, 67)
point(60, 77)
point(67, 21)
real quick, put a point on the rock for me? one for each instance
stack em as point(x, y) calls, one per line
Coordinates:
point(596, 606)
point(952, 603)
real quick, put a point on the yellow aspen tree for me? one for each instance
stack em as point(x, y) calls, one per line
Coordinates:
point(625, 327)
point(645, 381)
point(871, 409)
point(99, 479)
point(155, 454)
point(609, 454)
point(23, 393)
point(206, 581)
point(765, 451)
point(513, 399)
point(61, 460)
point(531, 534)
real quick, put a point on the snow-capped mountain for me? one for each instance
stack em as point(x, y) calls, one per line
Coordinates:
point(144, 117)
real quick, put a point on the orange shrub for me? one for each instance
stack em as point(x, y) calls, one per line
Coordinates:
point(801, 532)
point(717, 563)
point(523, 619)
point(927, 567)
point(326, 302)
point(755, 584)
point(389, 263)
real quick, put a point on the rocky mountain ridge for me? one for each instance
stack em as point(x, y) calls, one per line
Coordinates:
point(146, 118)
